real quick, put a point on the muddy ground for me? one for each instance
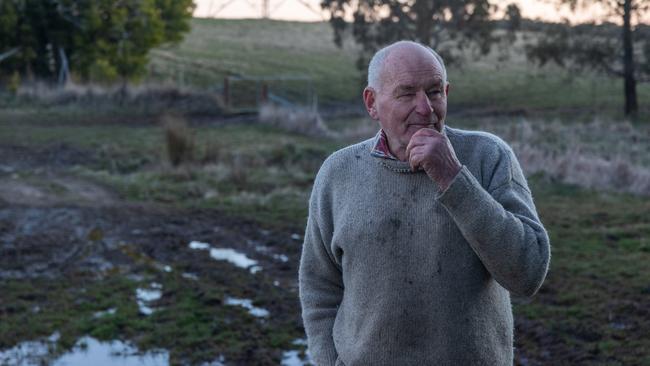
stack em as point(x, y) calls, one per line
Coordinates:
point(55, 226)
point(58, 228)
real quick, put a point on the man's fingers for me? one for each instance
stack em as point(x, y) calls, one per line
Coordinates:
point(420, 137)
point(408, 147)
point(426, 132)
point(413, 143)
point(412, 160)
point(415, 158)
point(417, 146)
point(414, 163)
point(417, 139)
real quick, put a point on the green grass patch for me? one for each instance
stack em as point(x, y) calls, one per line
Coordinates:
point(598, 281)
point(191, 320)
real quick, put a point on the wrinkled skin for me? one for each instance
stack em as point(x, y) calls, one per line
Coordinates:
point(410, 105)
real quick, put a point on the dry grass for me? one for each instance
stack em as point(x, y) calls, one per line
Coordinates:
point(303, 121)
point(361, 131)
point(179, 140)
point(147, 98)
point(602, 155)
point(577, 168)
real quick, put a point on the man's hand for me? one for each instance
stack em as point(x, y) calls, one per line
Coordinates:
point(431, 151)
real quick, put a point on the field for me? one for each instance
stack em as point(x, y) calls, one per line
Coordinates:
point(273, 49)
point(118, 220)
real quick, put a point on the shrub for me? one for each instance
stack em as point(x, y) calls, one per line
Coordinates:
point(179, 139)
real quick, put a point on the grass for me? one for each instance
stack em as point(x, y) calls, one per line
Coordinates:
point(216, 48)
point(253, 171)
point(191, 323)
point(592, 308)
point(95, 104)
point(592, 300)
point(297, 59)
point(598, 282)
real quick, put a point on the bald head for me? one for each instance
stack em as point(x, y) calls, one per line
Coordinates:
point(399, 51)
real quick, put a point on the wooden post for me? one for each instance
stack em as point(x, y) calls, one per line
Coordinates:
point(264, 93)
point(226, 92)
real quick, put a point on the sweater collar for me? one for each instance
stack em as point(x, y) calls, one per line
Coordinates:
point(379, 150)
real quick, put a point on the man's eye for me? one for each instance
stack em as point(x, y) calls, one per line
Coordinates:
point(406, 95)
point(433, 92)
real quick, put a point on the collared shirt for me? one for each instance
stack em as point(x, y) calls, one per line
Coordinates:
point(381, 149)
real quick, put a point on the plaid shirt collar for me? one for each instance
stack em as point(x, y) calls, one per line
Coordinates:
point(381, 149)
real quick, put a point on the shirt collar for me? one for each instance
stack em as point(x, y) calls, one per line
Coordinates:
point(380, 149)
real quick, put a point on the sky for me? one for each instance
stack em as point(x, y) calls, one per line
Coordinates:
point(309, 10)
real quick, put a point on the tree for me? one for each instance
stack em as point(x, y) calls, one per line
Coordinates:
point(100, 40)
point(449, 26)
point(607, 48)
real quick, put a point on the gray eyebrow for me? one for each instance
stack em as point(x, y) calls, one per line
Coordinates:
point(406, 87)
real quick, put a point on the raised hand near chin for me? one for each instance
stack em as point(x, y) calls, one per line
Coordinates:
point(432, 152)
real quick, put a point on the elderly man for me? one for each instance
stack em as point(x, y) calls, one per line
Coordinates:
point(417, 237)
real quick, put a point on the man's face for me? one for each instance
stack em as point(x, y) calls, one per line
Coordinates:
point(412, 95)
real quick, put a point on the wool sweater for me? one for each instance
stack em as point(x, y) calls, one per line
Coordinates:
point(395, 272)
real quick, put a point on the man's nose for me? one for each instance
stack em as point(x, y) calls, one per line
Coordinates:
point(423, 106)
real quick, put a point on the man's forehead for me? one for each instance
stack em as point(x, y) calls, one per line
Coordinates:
point(412, 78)
point(411, 65)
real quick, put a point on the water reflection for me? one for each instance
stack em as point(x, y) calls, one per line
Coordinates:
point(87, 351)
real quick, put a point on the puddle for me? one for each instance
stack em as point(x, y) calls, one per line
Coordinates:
point(618, 326)
point(281, 257)
point(190, 276)
point(227, 254)
point(266, 250)
point(87, 351)
point(146, 296)
point(293, 357)
point(232, 256)
point(198, 245)
point(248, 304)
point(29, 353)
point(101, 314)
point(300, 342)
point(218, 362)
point(164, 268)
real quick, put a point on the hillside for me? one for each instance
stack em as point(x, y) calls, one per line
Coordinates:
point(261, 48)
point(276, 49)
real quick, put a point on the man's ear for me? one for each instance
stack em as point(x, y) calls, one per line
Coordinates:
point(370, 102)
point(447, 89)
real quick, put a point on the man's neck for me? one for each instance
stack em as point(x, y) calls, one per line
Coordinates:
point(400, 154)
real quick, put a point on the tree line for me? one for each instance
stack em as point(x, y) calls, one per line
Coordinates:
point(452, 26)
point(109, 40)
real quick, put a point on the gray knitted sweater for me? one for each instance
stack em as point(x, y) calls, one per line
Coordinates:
point(394, 272)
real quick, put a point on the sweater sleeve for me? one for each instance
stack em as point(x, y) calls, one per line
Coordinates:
point(321, 290)
point(501, 225)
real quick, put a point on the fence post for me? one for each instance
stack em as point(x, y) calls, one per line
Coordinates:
point(226, 92)
point(265, 93)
